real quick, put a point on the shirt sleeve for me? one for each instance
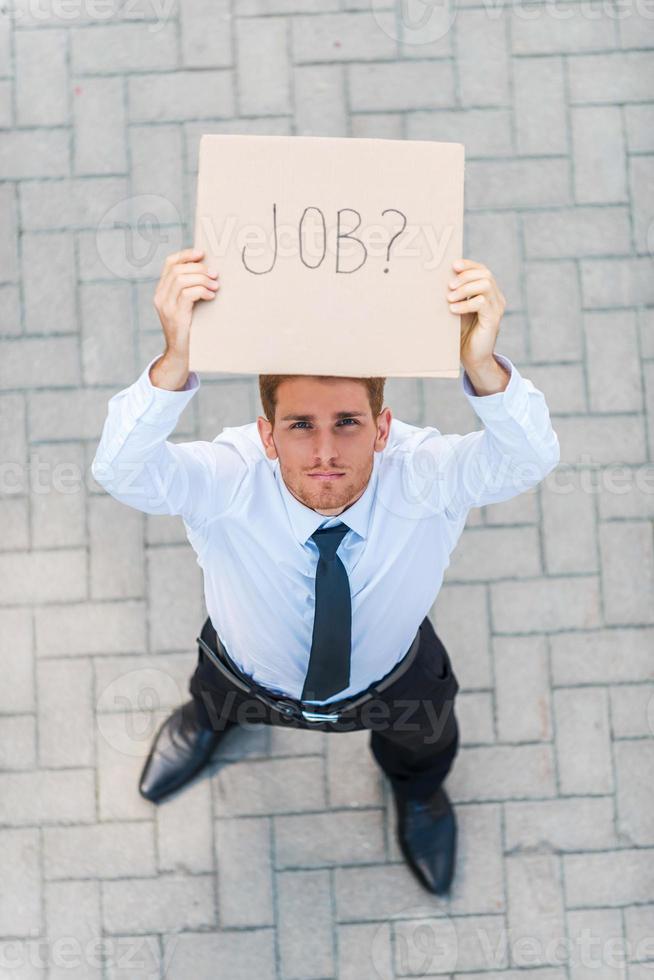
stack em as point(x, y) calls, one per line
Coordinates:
point(137, 464)
point(515, 450)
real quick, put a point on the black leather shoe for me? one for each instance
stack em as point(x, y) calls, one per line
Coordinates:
point(180, 749)
point(426, 831)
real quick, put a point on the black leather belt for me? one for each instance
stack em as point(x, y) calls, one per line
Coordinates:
point(292, 707)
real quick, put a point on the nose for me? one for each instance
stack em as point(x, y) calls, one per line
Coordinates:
point(325, 450)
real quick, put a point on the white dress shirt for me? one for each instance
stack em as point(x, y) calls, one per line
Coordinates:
point(252, 537)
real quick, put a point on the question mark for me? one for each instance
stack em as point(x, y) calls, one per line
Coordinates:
point(388, 250)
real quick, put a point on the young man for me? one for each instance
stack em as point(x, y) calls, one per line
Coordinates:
point(323, 530)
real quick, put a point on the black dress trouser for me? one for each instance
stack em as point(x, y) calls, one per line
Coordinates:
point(414, 732)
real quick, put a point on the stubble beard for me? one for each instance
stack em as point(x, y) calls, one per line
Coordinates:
point(328, 495)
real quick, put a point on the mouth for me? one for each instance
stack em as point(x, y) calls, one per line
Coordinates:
point(326, 476)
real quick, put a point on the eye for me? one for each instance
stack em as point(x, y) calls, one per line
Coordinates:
point(296, 424)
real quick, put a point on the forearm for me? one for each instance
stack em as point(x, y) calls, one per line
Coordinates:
point(488, 378)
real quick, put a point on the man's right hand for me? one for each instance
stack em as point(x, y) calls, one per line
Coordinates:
point(184, 280)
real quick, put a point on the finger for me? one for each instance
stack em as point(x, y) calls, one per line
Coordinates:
point(191, 293)
point(183, 267)
point(185, 255)
point(472, 288)
point(469, 305)
point(477, 273)
point(173, 261)
point(183, 281)
point(171, 285)
point(459, 265)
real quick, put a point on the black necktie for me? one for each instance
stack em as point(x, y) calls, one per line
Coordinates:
point(329, 660)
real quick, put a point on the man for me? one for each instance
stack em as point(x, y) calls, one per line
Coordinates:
point(323, 530)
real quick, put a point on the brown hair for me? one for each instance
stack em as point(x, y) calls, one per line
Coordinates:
point(268, 384)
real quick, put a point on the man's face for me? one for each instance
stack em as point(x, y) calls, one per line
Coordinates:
point(325, 438)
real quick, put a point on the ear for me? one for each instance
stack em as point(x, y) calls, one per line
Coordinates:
point(384, 420)
point(266, 436)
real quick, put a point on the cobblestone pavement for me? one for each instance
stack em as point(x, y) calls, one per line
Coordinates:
point(280, 861)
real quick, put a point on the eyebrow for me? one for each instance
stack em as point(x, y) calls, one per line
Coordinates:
point(311, 418)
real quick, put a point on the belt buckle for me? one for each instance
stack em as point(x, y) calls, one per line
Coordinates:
point(319, 715)
point(285, 707)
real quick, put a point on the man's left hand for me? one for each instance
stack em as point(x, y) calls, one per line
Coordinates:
point(474, 294)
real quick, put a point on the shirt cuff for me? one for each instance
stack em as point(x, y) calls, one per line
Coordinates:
point(512, 402)
point(155, 404)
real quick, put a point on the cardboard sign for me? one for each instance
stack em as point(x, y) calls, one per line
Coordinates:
point(333, 256)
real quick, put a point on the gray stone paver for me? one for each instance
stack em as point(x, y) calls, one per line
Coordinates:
point(281, 861)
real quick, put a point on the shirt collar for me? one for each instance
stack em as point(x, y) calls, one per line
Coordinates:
point(304, 520)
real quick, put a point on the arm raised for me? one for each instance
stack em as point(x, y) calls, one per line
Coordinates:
point(138, 465)
point(135, 462)
point(515, 450)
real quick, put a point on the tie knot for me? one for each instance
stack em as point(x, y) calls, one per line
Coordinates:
point(328, 539)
